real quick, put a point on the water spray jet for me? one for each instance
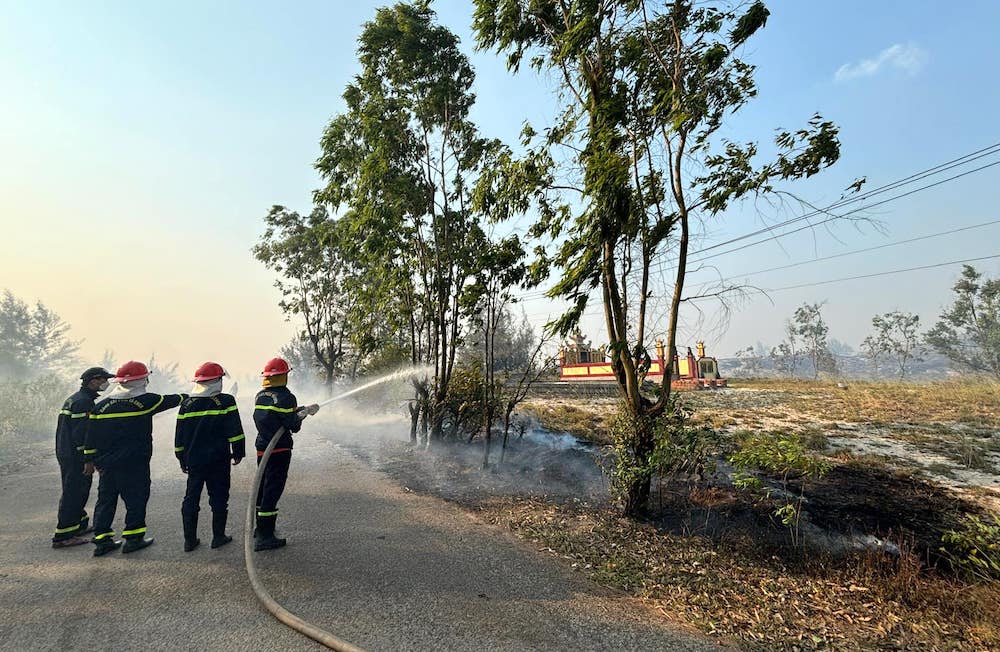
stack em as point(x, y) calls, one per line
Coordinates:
point(288, 618)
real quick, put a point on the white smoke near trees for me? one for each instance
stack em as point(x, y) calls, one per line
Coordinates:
point(34, 340)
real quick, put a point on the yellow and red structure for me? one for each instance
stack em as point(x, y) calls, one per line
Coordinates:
point(579, 362)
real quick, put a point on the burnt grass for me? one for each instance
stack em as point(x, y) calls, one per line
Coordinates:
point(707, 555)
point(854, 499)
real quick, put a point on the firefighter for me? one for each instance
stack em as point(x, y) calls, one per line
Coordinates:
point(275, 407)
point(119, 444)
point(209, 434)
point(70, 430)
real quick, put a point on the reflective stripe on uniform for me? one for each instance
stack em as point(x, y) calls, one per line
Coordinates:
point(233, 440)
point(274, 513)
point(138, 530)
point(178, 449)
point(74, 415)
point(99, 537)
point(206, 413)
point(89, 451)
point(64, 530)
point(115, 415)
point(273, 408)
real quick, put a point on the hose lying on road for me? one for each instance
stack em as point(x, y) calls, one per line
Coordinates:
point(315, 633)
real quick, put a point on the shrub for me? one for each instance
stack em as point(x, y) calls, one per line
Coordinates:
point(782, 455)
point(28, 411)
point(974, 550)
point(680, 448)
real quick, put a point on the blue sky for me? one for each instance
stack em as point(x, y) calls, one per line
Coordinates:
point(143, 143)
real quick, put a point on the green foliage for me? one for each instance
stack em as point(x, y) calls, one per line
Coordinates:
point(897, 335)
point(464, 407)
point(33, 340)
point(28, 411)
point(645, 88)
point(968, 332)
point(782, 455)
point(679, 447)
point(812, 329)
point(403, 160)
point(974, 550)
point(305, 251)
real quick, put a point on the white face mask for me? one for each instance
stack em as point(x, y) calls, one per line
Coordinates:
point(207, 388)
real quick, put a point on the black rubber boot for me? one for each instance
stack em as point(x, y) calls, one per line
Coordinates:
point(104, 547)
point(265, 539)
point(85, 527)
point(131, 545)
point(191, 540)
point(219, 536)
point(69, 542)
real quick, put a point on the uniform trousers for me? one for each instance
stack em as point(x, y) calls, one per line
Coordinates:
point(131, 484)
point(214, 476)
point(73, 500)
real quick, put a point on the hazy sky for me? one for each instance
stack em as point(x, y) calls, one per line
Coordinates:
point(143, 143)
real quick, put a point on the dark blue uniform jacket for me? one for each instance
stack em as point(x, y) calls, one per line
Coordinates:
point(120, 430)
point(208, 430)
point(275, 407)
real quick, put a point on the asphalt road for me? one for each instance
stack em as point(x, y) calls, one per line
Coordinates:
point(368, 561)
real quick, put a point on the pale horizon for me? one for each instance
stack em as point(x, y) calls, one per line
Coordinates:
point(143, 146)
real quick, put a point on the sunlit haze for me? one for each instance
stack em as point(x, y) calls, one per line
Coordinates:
point(143, 143)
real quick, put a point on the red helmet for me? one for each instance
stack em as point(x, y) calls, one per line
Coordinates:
point(131, 370)
point(275, 367)
point(209, 371)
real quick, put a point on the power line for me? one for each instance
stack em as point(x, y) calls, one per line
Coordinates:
point(841, 280)
point(867, 249)
point(917, 176)
point(843, 215)
point(876, 274)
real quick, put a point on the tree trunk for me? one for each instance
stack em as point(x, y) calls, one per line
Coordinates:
point(506, 434)
point(414, 408)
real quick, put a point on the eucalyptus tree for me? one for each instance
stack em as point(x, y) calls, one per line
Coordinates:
point(502, 268)
point(33, 340)
point(809, 324)
point(897, 334)
point(304, 251)
point(402, 158)
point(968, 332)
point(643, 89)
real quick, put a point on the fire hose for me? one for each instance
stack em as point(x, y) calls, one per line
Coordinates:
point(308, 629)
point(288, 618)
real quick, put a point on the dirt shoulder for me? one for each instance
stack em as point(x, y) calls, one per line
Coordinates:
point(710, 557)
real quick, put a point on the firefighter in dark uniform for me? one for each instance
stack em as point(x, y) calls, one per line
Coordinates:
point(70, 431)
point(209, 434)
point(275, 407)
point(120, 444)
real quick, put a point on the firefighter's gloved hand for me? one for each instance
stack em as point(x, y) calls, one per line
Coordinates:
point(88, 468)
point(307, 410)
point(237, 460)
point(183, 468)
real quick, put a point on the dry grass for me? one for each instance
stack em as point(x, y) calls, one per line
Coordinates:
point(737, 591)
point(971, 402)
point(590, 419)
